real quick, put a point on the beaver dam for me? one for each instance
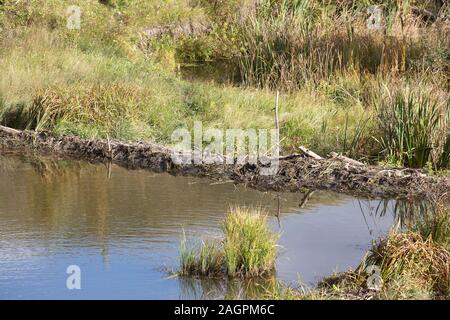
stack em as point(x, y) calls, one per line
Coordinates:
point(296, 172)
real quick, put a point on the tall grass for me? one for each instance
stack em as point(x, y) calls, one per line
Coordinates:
point(249, 248)
point(94, 94)
point(414, 126)
point(413, 263)
point(435, 224)
point(290, 43)
point(208, 261)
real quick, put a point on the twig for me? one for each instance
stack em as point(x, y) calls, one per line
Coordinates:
point(309, 153)
point(346, 159)
point(9, 130)
point(306, 198)
point(109, 147)
point(221, 182)
point(277, 127)
point(290, 156)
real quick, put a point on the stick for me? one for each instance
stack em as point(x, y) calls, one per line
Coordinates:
point(309, 153)
point(109, 147)
point(346, 159)
point(276, 119)
point(306, 198)
point(290, 156)
point(276, 110)
point(278, 210)
point(9, 130)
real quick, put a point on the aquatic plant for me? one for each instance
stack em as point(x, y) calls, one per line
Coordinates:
point(206, 261)
point(435, 224)
point(249, 248)
point(411, 265)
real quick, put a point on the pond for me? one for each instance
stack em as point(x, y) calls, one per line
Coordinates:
point(123, 228)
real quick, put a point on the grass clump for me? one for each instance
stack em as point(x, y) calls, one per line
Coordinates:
point(412, 266)
point(248, 249)
point(435, 224)
point(207, 261)
point(249, 245)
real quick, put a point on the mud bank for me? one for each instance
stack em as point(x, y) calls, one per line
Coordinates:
point(295, 173)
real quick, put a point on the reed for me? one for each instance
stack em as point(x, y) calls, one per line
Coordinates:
point(291, 43)
point(413, 127)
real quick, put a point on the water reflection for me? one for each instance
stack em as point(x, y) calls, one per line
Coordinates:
point(221, 72)
point(407, 214)
point(230, 289)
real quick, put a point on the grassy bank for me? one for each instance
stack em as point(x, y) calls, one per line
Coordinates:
point(414, 264)
point(248, 248)
point(381, 95)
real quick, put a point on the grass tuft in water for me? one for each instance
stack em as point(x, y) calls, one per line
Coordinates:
point(249, 248)
point(205, 260)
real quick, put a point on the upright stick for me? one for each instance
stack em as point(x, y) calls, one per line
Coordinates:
point(276, 119)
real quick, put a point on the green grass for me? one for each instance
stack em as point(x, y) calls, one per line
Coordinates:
point(249, 248)
point(93, 95)
point(208, 261)
point(411, 267)
point(107, 79)
point(413, 127)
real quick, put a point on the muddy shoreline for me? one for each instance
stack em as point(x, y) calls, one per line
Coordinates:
point(295, 173)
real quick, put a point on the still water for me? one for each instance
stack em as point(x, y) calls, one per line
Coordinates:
point(123, 229)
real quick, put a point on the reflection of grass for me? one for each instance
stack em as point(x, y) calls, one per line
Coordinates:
point(435, 225)
point(224, 288)
point(248, 249)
